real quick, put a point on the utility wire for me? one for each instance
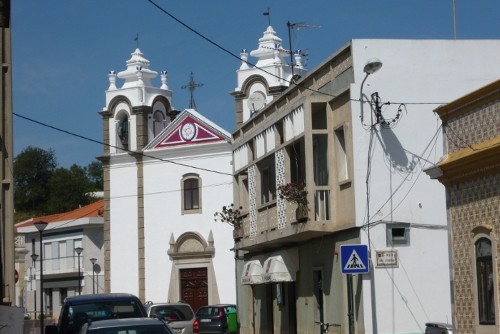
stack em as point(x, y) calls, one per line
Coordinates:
point(291, 82)
point(128, 151)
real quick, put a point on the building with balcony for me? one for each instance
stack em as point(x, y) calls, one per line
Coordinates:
point(65, 271)
point(361, 158)
point(470, 172)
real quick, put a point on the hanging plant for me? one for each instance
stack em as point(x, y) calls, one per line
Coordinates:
point(230, 215)
point(294, 192)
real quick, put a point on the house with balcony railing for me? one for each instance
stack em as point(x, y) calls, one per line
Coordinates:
point(72, 255)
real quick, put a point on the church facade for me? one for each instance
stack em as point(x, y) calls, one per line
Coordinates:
point(166, 173)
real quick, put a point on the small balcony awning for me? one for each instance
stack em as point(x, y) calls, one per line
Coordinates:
point(252, 272)
point(281, 267)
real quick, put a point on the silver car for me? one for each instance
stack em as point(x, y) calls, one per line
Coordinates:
point(179, 316)
point(130, 325)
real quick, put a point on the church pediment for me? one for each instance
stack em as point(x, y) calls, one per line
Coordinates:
point(188, 130)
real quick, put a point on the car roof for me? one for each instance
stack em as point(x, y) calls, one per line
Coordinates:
point(99, 297)
point(125, 322)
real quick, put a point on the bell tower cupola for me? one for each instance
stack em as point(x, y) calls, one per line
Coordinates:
point(136, 111)
point(271, 74)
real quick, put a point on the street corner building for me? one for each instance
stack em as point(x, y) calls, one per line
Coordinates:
point(334, 156)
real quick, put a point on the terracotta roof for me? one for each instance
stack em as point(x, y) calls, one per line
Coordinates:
point(95, 209)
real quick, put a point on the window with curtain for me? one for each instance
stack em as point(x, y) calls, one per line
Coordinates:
point(485, 283)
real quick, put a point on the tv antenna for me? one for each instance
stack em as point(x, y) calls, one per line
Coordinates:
point(297, 26)
point(191, 86)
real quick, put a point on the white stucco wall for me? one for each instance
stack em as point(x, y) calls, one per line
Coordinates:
point(123, 223)
point(422, 74)
point(162, 185)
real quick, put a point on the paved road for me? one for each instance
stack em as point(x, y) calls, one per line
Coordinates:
point(33, 327)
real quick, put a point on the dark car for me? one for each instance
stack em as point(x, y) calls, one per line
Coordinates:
point(130, 325)
point(220, 318)
point(179, 316)
point(438, 328)
point(78, 310)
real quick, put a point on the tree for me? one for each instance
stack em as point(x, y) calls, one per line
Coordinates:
point(69, 189)
point(94, 174)
point(41, 187)
point(33, 168)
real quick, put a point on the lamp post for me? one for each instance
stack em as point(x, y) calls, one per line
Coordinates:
point(78, 251)
point(371, 66)
point(93, 260)
point(40, 226)
point(33, 258)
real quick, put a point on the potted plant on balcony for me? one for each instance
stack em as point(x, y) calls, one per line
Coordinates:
point(296, 192)
point(232, 216)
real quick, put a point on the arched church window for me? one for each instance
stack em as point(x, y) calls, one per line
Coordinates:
point(191, 194)
point(485, 282)
point(122, 131)
point(158, 122)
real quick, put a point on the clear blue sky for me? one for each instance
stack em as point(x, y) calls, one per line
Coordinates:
point(63, 50)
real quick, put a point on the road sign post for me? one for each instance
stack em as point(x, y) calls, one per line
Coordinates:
point(354, 259)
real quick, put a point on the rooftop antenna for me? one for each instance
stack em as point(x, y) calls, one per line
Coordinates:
point(268, 14)
point(191, 86)
point(297, 26)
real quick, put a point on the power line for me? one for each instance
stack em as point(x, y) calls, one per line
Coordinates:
point(291, 82)
point(128, 151)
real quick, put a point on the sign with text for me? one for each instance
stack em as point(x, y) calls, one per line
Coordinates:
point(387, 259)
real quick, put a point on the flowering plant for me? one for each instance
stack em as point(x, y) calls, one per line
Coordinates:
point(294, 192)
point(230, 215)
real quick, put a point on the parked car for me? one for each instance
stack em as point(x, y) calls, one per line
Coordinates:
point(130, 325)
point(220, 318)
point(179, 316)
point(438, 328)
point(78, 310)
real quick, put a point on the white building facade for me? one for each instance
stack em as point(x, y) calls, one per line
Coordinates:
point(166, 174)
point(362, 160)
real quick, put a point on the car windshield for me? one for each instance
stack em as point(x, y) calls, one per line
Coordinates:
point(172, 313)
point(143, 329)
point(79, 314)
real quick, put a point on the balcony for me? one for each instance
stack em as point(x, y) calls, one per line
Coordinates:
point(273, 229)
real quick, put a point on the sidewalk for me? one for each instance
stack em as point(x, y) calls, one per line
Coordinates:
point(33, 326)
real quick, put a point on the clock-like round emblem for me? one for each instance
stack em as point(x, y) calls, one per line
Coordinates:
point(256, 101)
point(188, 131)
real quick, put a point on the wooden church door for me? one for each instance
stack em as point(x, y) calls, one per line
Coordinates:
point(194, 287)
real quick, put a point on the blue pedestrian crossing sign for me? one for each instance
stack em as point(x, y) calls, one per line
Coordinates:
point(354, 259)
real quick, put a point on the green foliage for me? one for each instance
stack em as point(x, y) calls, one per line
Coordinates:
point(41, 187)
point(33, 168)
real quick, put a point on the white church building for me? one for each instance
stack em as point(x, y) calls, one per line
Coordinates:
point(166, 173)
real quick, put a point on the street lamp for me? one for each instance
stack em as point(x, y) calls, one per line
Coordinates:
point(33, 258)
point(40, 226)
point(371, 66)
point(93, 260)
point(78, 251)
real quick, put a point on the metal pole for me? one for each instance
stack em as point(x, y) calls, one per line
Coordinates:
point(79, 281)
point(42, 313)
point(78, 251)
point(93, 260)
point(350, 304)
point(40, 226)
point(34, 257)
